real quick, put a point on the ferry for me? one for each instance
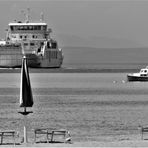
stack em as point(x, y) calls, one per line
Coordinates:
point(141, 76)
point(32, 39)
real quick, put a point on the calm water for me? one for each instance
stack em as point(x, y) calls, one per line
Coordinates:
point(63, 80)
point(107, 58)
point(73, 80)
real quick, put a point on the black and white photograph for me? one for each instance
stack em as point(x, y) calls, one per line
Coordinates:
point(73, 73)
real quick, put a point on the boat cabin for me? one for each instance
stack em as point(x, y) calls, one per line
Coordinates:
point(144, 72)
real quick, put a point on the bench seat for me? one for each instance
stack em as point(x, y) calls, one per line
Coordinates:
point(51, 134)
point(8, 133)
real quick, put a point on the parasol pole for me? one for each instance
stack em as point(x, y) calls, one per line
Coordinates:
point(25, 127)
point(25, 113)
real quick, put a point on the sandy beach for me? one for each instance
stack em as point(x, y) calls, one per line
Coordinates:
point(129, 143)
point(99, 109)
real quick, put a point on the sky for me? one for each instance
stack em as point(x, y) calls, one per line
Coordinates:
point(95, 23)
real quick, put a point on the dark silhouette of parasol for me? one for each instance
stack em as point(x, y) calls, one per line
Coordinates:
point(26, 98)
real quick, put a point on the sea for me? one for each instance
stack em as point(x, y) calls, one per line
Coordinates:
point(105, 58)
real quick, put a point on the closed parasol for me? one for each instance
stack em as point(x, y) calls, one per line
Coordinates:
point(26, 98)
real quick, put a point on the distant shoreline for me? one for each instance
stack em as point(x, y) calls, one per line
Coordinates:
point(68, 70)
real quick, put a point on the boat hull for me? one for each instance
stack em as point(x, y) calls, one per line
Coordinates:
point(137, 78)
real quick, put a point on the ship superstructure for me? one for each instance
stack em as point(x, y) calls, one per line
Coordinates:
point(32, 39)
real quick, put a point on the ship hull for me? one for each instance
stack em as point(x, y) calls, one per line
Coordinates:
point(137, 78)
point(10, 62)
point(11, 57)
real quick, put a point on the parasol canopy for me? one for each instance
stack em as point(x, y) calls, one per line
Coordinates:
point(26, 98)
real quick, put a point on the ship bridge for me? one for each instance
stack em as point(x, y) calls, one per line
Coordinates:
point(32, 31)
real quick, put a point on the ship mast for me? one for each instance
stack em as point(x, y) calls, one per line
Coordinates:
point(42, 17)
point(27, 15)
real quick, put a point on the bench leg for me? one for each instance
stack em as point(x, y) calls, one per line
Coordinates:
point(35, 138)
point(52, 136)
point(48, 138)
point(13, 138)
point(2, 139)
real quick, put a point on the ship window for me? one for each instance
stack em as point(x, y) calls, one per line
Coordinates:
point(12, 28)
point(42, 43)
point(43, 28)
point(31, 44)
point(54, 45)
point(34, 27)
point(30, 27)
point(13, 36)
point(16, 28)
point(21, 36)
point(21, 28)
point(37, 27)
point(25, 28)
point(25, 44)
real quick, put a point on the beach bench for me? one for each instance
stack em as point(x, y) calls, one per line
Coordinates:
point(143, 130)
point(8, 133)
point(66, 135)
point(43, 131)
point(51, 134)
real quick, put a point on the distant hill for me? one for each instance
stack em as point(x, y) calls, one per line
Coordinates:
point(102, 52)
point(96, 42)
point(89, 56)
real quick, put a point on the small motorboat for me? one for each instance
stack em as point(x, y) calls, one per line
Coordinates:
point(141, 76)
